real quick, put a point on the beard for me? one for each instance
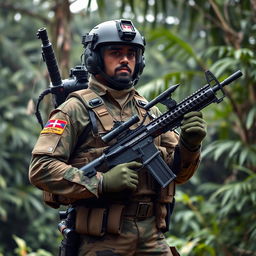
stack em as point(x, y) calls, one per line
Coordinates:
point(120, 80)
point(123, 77)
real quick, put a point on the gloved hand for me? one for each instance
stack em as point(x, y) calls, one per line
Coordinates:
point(121, 177)
point(193, 130)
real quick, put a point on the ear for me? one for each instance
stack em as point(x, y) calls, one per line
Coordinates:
point(91, 62)
point(140, 65)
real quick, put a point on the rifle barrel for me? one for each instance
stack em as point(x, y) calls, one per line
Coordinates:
point(228, 80)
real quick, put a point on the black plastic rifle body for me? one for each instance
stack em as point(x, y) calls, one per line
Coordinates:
point(138, 144)
point(70, 243)
point(51, 62)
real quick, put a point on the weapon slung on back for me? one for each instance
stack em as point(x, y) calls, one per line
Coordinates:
point(78, 78)
point(50, 60)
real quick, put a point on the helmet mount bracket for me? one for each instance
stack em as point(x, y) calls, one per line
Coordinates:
point(125, 30)
point(89, 39)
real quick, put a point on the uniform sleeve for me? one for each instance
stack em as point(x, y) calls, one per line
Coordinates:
point(174, 153)
point(184, 161)
point(188, 165)
point(49, 169)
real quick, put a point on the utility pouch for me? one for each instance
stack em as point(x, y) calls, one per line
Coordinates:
point(114, 223)
point(98, 221)
point(91, 221)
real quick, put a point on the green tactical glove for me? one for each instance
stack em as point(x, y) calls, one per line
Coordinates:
point(193, 130)
point(121, 177)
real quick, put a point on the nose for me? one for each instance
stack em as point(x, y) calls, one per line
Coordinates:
point(124, 59)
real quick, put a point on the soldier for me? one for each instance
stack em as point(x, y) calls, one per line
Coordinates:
point(119, 211)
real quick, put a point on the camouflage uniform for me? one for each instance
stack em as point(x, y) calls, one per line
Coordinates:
point(138, 219)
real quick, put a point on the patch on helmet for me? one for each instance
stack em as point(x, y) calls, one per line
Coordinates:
point(54, 126)
point(127, 27)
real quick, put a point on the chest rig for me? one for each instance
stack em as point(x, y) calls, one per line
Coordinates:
point(90, 148)
point(101, 123)
point(101, 119)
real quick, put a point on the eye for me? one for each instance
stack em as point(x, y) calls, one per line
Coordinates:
point(115, 54)
point(131, 54)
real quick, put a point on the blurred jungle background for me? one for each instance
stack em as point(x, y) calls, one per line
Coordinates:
point(215, 212)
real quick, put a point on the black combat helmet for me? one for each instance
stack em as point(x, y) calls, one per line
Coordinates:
point(110, 33)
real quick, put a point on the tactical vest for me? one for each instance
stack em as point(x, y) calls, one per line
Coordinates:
point(101, 123)
point(91, 147)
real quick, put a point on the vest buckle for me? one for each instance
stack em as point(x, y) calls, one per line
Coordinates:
point(141, 103)
point(96, 102)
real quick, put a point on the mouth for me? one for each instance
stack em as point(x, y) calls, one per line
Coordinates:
point(123, 70)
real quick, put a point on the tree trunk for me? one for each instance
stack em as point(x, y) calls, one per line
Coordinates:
point(62, 35)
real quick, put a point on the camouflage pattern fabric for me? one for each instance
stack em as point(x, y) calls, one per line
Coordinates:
point(138, 237)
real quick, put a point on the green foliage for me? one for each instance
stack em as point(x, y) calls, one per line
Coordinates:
point(23, 249)
point(207, 223)
point(20, 204)
point(235, 152)
point(215, 212)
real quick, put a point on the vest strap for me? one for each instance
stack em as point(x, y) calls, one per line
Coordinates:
point(98, 109)
point(93, 120)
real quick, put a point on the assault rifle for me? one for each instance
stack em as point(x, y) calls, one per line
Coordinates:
point(138, 144)
point(78, 78)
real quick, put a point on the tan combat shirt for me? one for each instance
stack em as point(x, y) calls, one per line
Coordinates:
point(51, 169)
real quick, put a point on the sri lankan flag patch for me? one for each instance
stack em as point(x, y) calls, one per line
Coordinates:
point(54, 126)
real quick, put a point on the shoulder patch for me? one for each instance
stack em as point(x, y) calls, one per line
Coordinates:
point(54, 126)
